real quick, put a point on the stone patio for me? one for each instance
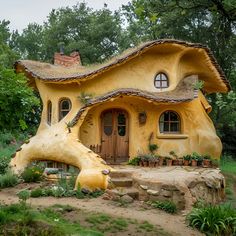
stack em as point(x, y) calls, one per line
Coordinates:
point(182, 185)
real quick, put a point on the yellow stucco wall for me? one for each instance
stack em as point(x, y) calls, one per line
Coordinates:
point(197, 131)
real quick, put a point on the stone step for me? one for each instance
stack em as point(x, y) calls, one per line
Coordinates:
point(121, 191)
point(122, 182)
point(121, 173)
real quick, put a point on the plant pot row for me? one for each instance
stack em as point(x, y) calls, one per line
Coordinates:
point(178, 162)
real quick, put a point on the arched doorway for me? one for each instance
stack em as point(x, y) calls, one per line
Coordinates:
point(115, 136)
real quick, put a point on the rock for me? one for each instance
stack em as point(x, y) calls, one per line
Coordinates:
point(144, 187)
point(166, 193)
point(85, 191)
point(106, 197)
point(126, 199)
point(153, 192)
point(106, 172)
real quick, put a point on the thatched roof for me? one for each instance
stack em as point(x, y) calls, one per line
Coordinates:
point(60, 74)
point(183, 92)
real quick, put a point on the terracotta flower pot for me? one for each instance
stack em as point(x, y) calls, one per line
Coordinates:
point(175, 162)
point(186, 162)
point(140, 163)
point(169, 162)
point(161, 160)
point(193, 163)
point(206, 163)
point(145, 163)
point(157, 163)
point(152, 164)
point(180, 162)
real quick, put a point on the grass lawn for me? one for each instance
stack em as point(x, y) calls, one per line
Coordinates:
point(228, 168)
point(19, 219)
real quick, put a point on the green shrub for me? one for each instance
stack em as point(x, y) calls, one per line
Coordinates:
point(4, 162)
point(32, 174)
point(167, 206)
point(38, 192)
point(214, 220)
point(24, 195)
point(8, 180)
point(135, 161)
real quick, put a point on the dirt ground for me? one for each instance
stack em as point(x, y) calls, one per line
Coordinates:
point(173, 224)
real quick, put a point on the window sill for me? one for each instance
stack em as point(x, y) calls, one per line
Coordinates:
point(172, 136)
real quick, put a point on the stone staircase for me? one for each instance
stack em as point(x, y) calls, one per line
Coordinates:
point(121, 185)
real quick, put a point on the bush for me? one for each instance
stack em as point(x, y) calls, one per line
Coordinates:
point(38, 192)
point(135, 161)
point(32, 174)
point(4, 162)
point(8, 180)
point(215, 220)
point(167, 206)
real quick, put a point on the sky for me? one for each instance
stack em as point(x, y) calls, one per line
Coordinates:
point(22, 12)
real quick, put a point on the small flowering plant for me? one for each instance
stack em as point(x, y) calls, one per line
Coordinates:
point(32, 174)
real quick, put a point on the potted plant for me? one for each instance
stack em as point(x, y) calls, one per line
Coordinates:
point(194, 159)
point(181, 162)
point(200, 160)
point(175, 161)
point(152, 161)
point(161, 161)
point(206, 161)
point(187, 160)
point(168, 161)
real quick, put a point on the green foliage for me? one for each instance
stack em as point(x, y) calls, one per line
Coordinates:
point(32, 174)
point(4, 162)
point(85, 98)
point(8, 180)
point(152, 147)
point(167, 206)
point(135, 161)
point(199, 84)
point(214, 220)
point(24, 195)
point(17, 101)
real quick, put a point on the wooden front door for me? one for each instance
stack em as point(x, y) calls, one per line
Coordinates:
point(115, 136)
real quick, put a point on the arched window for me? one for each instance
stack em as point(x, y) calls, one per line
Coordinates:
point(161, 81)
point(169, 122)
point(49, 112)
point(64, 108)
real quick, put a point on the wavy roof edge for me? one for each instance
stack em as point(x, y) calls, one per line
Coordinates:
point(90, 71)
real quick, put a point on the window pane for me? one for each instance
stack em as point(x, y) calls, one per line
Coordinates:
point(121, 130)
point(166, 116)
point(49, 112)
point(166, 127)
point(157, 84)
point(162, 118)
point(64, 113)
point(173, 116)
point(65, 105)
point(107, 118)
point(121, 119)
point(161, 127)
point(108, 130)
point(174, 127)
point(164, 84)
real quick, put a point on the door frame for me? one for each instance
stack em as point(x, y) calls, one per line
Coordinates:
point(127, 128)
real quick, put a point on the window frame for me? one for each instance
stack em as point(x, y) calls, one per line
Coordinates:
point(169, 122)
point(60, 111)
point(163, 78)
point(49, 112)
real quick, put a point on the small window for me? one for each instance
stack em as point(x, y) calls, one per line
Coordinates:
point(107, 119)
point(161, 81)
point(121, 124)
point(169, 122)
point(64, 108)
point(49, 112)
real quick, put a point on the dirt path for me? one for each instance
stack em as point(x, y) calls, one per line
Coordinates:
point(174, 224)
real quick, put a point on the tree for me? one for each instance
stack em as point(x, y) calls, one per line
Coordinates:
point(17, 101)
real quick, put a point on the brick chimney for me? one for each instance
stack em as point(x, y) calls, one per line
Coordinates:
point(71, 60)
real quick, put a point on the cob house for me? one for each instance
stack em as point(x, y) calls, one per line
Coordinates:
point(105, 114)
